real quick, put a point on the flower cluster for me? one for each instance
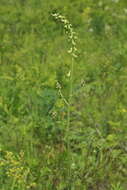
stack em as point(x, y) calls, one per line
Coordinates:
point(72, 37)
point(14, 166)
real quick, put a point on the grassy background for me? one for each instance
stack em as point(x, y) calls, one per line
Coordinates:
point(33, 116)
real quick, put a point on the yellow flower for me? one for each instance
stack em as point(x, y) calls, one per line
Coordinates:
point(123, 110)
point(86, 12)
point(32, 185)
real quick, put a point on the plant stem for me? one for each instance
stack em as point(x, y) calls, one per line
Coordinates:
point(69, 120)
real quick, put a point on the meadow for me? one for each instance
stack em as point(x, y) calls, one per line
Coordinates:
point(63, 95)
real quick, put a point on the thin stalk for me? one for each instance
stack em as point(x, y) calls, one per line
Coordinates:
point(70, 102)
point(69, 120)
point(73, 52)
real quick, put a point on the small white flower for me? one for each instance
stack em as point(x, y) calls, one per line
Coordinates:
point(73, 166)
point(74, 55)
point(55, 14)
point(91, 30)
point(69, 74)
point(70, 50)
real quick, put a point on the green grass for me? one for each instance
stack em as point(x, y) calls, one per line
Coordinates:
point(63, 119)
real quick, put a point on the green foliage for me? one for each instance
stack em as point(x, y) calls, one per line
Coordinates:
point(69, 117)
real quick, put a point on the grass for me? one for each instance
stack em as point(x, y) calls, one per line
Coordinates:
point(63, 107)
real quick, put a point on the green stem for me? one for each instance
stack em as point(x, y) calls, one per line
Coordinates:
point(69, 119)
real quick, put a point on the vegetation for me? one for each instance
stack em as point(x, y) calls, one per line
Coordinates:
point(63, 89)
